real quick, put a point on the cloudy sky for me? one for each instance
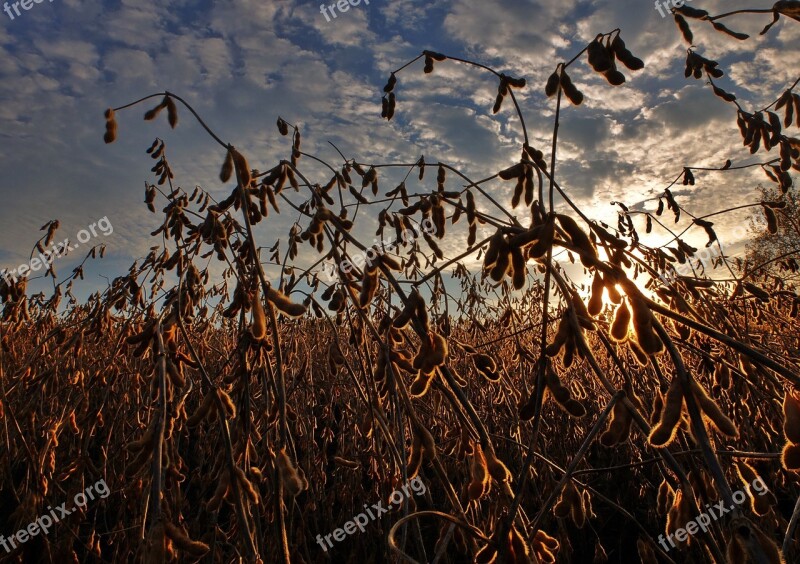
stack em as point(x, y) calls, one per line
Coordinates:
point(243, 63)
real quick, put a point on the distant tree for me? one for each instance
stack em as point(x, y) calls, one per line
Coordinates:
point(774, 248)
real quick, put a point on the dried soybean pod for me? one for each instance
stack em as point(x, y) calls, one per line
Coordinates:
point(486, 367)
point(580, 239)
point(502, 265)
point(664, 497)
point(721, 422)
point(284, 304)
point(722, 375)
point(563, 507)
point(219, 494)
point(518, 547)
point(545, 241)
point(145, 440)
point(480, 484)
point(415, 456)
point(552, 85)
point(663, 433)
point(577, 512)
point(369, 285)
point(421, 384)
point(622, 320)
point(227, 402)
point(259, 325)
point(293, 481)
point(498, 471)
point(493, 250)
point(791, 416)
point(749, 544)
point(790, 457)
point(646, 553)
point(206, 407)
point(596, 300)
point(242, 168)
point(183, 542)
point(760, 501)
point(428, 444)
point(518, 268)
point(172, 112)
point(175, 373)
point(560, 337)
point(247, 485)
point(619, 427)
point(544, 547)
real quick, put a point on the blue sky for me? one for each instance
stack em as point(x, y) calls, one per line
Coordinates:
point(242, 64)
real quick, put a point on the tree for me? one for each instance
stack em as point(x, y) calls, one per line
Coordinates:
point(774, 250)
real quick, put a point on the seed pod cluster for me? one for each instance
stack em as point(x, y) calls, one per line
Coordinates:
point(790, 457)
point(572, 504)
point(697, 64)
point(502, 258)
point(544, 547)
point(537, 240)
point(432, 353)
point(506, 82)
point(388, 105)
point(601, 59)
point(516, 548)
point(561, 394)
point(642, 323)
point(523, 173)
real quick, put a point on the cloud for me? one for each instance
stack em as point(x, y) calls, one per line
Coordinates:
point(242, 64)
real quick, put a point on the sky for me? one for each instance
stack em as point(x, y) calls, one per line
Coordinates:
point(242, 64)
